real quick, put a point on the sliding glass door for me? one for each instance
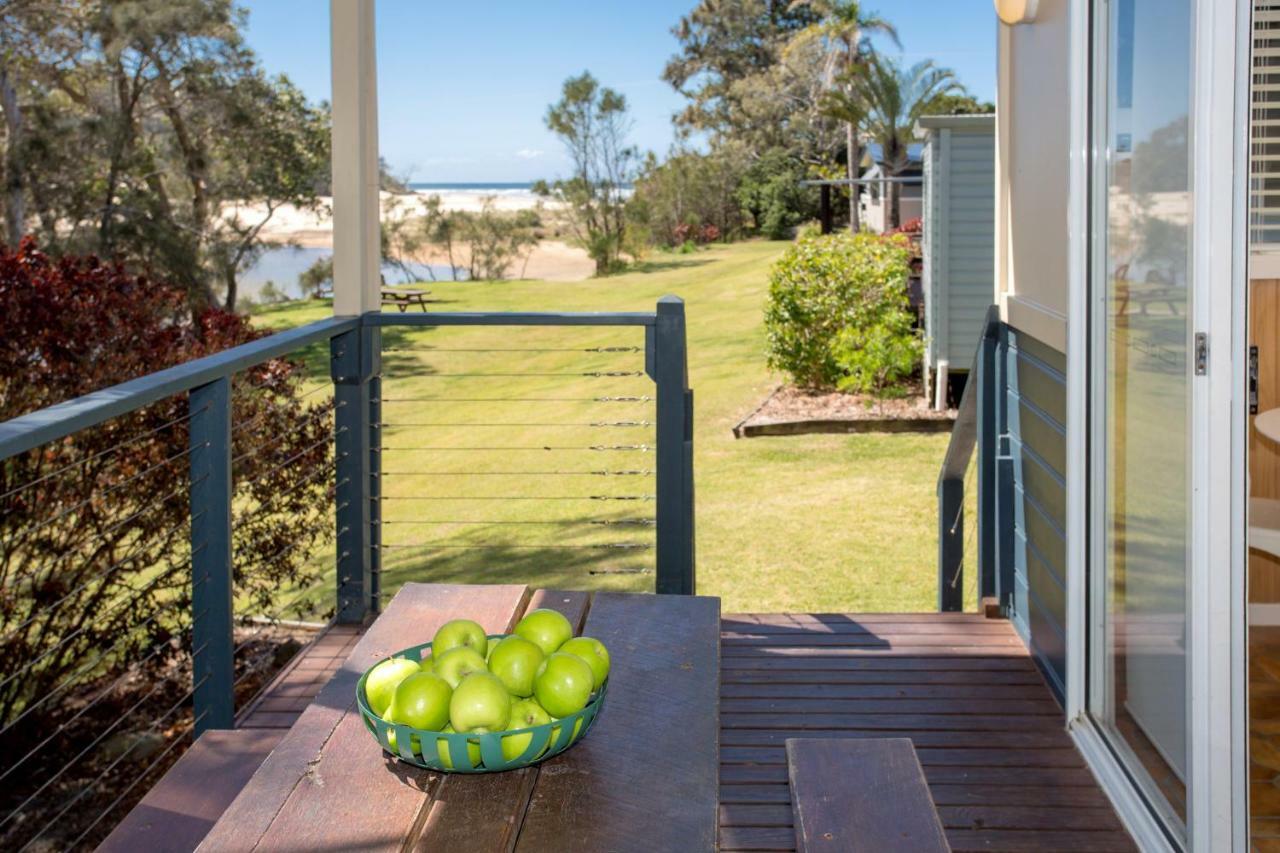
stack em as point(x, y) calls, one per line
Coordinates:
point(1141, 369)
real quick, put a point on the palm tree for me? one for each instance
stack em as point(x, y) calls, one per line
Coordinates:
point(892, 99)
point(845, 31)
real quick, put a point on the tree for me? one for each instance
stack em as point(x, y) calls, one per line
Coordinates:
point(94, 555)
point(593, 124)
point(135, 126)
point(688, 190)
point(894, 99)
point(724, 44)
point(845, 32)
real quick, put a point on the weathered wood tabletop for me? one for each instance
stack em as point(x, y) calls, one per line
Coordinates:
point(645, 778)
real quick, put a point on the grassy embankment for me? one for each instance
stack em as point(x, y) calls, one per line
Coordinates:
point(807, 523)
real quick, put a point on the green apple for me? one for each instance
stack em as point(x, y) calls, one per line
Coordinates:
point(594, 653)
point(525, 714)
point(415, 745)
point(442, 750)
point(515, 660)
point(480, 704)
point(459, 632)
point(421, 701)
point(382, 681)
point(493, 644)
point(555, 733)
point(563, 684)
point(548, 629)
point(456, 664)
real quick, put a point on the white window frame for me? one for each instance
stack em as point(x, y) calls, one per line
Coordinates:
point(1218, 760)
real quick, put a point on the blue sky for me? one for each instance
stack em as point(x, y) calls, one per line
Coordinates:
point(463, 86)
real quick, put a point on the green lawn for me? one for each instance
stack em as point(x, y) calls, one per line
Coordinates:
point(806, 523)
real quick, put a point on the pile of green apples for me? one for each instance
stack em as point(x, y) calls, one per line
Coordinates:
point(474, 684)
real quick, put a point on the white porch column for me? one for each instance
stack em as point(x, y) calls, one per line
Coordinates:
point(356, 253)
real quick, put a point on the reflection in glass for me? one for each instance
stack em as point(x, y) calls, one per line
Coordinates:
point(1144, 394)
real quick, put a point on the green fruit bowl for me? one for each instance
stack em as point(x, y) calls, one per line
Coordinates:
point(454, 752)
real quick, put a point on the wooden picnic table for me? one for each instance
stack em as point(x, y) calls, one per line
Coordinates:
point(405, 297)
point(645, 778)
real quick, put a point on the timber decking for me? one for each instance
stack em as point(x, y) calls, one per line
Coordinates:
point(283, 700)
point(1003, 773)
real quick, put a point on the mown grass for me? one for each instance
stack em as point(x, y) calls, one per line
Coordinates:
point(804, 523)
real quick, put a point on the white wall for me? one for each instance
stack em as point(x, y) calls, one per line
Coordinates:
point(1033, 113)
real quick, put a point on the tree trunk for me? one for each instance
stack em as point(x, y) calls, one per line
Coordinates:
point(15, 210)
point(229, 278)
point(892, 196)
point(854, 189)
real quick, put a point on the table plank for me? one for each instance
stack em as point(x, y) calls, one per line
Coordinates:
point(484, 812)
point(646, 777)
point(327, 785)
point(852, 795)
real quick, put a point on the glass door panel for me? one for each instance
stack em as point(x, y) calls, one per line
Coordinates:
point(1141, 392)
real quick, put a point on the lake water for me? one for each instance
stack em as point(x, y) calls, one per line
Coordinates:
point(283, 265)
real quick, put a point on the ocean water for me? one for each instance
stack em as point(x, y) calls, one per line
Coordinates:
point(283, 265)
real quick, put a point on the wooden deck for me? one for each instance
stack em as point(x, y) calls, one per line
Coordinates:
point(1003, 773)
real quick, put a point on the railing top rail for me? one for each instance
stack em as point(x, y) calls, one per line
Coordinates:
point(964, 434)
point(499, 318)
point(62, 419)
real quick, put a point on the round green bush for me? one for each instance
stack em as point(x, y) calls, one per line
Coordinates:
point(828, 296)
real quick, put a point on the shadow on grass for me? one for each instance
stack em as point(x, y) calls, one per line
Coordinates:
point(668, 264)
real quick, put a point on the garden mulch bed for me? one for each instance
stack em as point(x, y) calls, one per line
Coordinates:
point(793, 411)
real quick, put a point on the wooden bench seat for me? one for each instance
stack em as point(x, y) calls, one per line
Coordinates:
point(179, 811)
point(861, 795)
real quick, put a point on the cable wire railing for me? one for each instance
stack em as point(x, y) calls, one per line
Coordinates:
point(165, 544)
point(964, 535)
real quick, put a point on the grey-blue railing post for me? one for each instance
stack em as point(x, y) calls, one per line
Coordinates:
point(212, 641)
point(356, 356)
point(375, 488)
point(988, 452)
point(667, 363)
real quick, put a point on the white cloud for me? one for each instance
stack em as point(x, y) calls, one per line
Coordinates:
point(529, 153)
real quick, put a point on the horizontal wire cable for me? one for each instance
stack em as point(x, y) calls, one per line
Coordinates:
point(104, 773)
point(635, 473)
point(136, 779)
point(102, 694)
point(639, 448)
point(514, 498)
point(640, 570)
point(92, 580)
point(276, 614)
point(513, 349)
point(281, 436)
point(621, 522)
point(561, 425)
point(71, 679)
point(112, 449)
point(279, 407)
point(588, 374)
point(151, 507)
point(294, 458)
point(98, 495)
point(309, 480)
point(125, 605)
point(637, 399)
point(611, 546)
point(114, 724)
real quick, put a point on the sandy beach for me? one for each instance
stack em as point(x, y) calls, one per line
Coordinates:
point(553, 260)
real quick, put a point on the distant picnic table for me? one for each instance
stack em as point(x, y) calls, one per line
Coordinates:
point(403, 298)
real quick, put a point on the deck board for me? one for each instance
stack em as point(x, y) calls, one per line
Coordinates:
point(1001, 770)
point(988, 733)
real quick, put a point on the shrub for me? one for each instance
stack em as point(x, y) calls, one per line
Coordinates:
point(771, 192)
point(688, 196)
point(837, 311)
point(94, 556)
